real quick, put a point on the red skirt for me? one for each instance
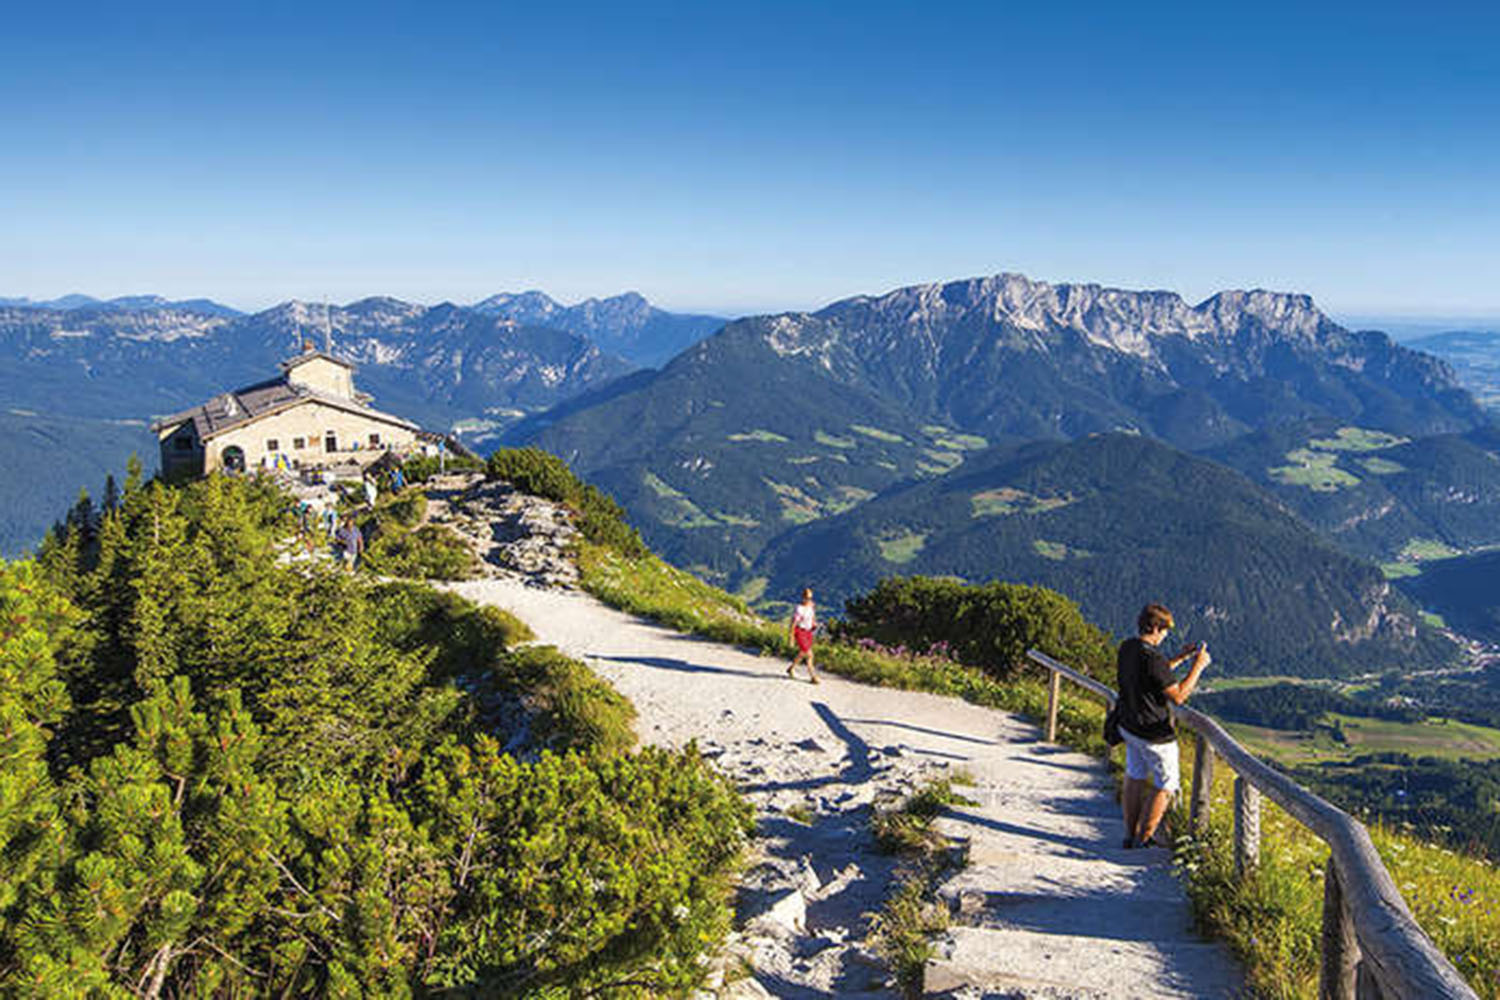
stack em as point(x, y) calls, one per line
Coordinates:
point(804, 637)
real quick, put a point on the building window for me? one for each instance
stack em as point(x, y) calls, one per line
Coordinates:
point(299, 443)
point(374, 440)
point(273, 444)
point(183, 443)
point(330, 442)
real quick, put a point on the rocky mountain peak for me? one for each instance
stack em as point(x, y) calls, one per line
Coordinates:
point(530, 306)
point(1286, 312)
point(1118, 319)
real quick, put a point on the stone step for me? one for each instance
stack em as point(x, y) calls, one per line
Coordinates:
point(1160, 921)
point(1009, 962)
point(1004, 874)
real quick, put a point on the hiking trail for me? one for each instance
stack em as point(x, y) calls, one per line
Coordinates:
point(1049, 906)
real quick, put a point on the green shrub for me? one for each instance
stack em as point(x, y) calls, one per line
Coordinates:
point(300, 767)
point(540, 473)
point(907, 828)
point(408, 509)
point(990, 625)
point(573, 707)
point(420, 468)
point(432, 552)
point(583, 871)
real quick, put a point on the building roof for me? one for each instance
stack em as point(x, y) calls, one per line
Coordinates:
point(231, 410)
point(307, 356)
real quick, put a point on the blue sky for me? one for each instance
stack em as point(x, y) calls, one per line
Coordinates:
point(751, 156)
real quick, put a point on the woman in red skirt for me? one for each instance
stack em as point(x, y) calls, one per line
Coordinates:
point(804, 624)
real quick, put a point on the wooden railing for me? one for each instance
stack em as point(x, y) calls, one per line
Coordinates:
point(1372, 947)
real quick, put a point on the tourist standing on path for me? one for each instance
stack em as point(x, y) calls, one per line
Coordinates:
point(1146, 686)
point(350, 542)
point(804, 624)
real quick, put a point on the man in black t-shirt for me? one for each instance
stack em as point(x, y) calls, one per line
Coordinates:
point(1147, 687)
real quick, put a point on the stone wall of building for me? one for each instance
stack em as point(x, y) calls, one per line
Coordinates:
point(311, 423)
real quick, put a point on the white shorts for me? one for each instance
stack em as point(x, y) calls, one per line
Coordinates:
point(1154, 762)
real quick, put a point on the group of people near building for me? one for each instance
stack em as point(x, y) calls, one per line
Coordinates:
point(319, 522)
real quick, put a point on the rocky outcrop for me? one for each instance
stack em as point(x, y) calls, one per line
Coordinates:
point(512, 533)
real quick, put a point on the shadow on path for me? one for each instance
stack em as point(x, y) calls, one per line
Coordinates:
point(683, 666)
point(857, 771)
point(1089, 847)
point(923, 729)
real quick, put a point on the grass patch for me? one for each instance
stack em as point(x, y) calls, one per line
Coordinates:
point(944, 460)
point(1446, 738)
point(1272, 919)
point(847, 498)
point(1316, 470)
point(681, 512)
point(903, 929)
point(801, 812)
point(1399, 570)
point(962, 442)
point(753, 589)
point(1006, 500)
point(901, 547)
point(1434, 619)
point(578, 708)
point(769, 437)
point(877, 434)
point(1377, 466)
point(1057, 551)
point(907, 828)
point(1357, 439)
point(1427, 550)
point(833, 440)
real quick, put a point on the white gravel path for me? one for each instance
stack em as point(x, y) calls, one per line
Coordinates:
point(1051, 905)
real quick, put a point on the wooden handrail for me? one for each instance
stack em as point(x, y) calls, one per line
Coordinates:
point(1361, 907)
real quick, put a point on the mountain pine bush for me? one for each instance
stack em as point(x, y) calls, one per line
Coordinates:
point(989, 626)
point(223, 774)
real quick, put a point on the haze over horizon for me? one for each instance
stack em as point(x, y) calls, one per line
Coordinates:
point(734, 161)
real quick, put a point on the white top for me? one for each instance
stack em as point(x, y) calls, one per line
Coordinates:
point(804, 617)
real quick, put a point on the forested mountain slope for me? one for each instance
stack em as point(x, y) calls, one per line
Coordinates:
point(1114, 521)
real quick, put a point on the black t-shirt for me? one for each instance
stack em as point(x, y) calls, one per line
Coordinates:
point(1144, 676)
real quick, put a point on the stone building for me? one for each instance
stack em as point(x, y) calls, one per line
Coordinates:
point(310, 417)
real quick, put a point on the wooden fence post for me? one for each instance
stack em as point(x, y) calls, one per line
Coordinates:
point(1203, 784)
point(1340, 946)
point(1054, 695)
point(1246, 826)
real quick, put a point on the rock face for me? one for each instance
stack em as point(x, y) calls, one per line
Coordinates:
point(1009, 355)
point(512, 533)
point(626, 325)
